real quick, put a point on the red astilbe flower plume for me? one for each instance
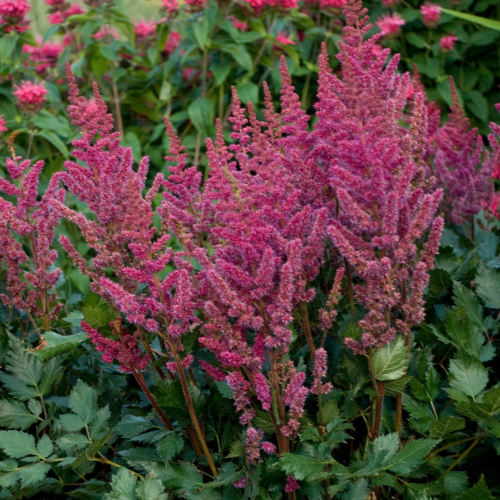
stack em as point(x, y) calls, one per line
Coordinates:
point(375, 169)
point(30, 278)
point(462, 166)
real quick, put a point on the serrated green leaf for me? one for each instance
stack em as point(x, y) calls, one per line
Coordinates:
point(182, 477)
point(33, 474)
point(235, 450)
point(17, 444)
point(397, 386)
point(468, 300)
point(72, 422)
point(59, 344)
point(123, 486)
point(445, 426)
point(99, 422)
point(357, 490)
point(467, 374)
point(391, 361)
point(15, 415)
point(491, 400)
point(412, 455)
point(74, 318)
point(302, 468)
point(18, 388)
point(169, 446)
point(488, 286)
point(72, 440)
point(330, 411)
point(45, 446)
point(83, 401)
point(472, 410)
point(455, 483)
point(151, 489)
point(479, 492)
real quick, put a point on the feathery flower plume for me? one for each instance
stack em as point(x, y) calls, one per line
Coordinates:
point(375, 170)
point(462, 166)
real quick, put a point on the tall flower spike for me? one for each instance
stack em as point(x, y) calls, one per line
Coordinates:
point(461, 166)
point(375, 170)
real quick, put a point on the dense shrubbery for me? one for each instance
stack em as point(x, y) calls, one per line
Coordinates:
point(299, 308)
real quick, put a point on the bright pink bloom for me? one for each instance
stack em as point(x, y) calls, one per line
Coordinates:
point(126, 350)
point(268, 447)
point(54, 3)
point(56, 18)
point(173, 41)
point(390, 3)
point(291, 485)
point(13, 11)
point(73, 10)
point(390, 24)
point(241, 483)
point(144, 30)
point(171, 6)
point(241, 25)
point(253, 444)
point(447, 43)
point(196, 3)
point(335, 4)
point(319, 373)
point(461, 166)
point(45, 56)
point(30, 96)
point(106, 32)
point(3, 128)
point(494, 206)
point(283, 39)
point(431, 14)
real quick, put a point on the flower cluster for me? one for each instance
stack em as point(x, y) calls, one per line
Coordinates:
point(376, 229)
point(30, 96)
point(44, 56)
point(12, 15)
point(461, 166)
point(60, 10)
point(30, 279)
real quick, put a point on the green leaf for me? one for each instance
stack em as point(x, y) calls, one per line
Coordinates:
point(200, 113)
point(239, 54)
point(224, 389)
point(391, 361)
point(440, 281)
point(248, 92)
point(123, 486)
point(477, 103)
point(227, 475)
point(169, 446)
point(182, 477)
point(72, 440)
point(15, 415)
point(151, 489)
point(455, 483)
point(51, 371)
point(357, 490)
point(445, 426)
point(72, 422)
point(83, 401)
point(488, 286)
point(416, 40)
point(74, 318)
point(468, 300)
point(474, 411)
point(467, 374)
point(33, 474)
point(397, 386)
point(483, 21)
point(412, 455)
point(491, 400)
point(17, 444)
point(56, 141)
point(479, 492)
point(59, 344)
point(330, 411)
point(45, 446)
point(302, 468)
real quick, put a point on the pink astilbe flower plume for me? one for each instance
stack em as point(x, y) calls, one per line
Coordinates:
point(31, 278)
point(376, 170)
point(462, 166)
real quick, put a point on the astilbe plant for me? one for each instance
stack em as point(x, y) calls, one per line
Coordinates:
point(462, 166)
point(376, 171)
point(31, 275)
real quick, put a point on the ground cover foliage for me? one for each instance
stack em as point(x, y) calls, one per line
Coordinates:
point(306, 305)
